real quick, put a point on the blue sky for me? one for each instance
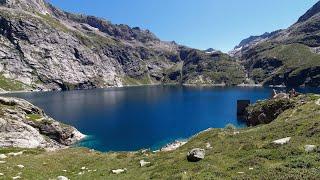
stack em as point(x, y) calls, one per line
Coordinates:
point(220, 24)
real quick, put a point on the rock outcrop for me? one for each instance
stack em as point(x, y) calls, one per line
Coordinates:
point(250, 42)
point(27, 126)
point(282, 141)
point(264, 112)
point(288, 57)
point(310, 148)
point(196, 155)
point(46, 48)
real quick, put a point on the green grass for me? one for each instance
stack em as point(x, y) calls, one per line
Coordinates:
point(250, 152)
point(295, 58)
point(11, 85)
point(229, 72)
point(218, 68)
point(143, 80)
point(258, 75)
point(221, 71)
point(55, 23)
point(34, 117)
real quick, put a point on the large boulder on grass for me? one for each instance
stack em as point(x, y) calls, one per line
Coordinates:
point(196, 155)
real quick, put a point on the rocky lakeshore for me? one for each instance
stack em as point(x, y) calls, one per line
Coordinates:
point(24, 125)
point(44, 48)
point(290, 142)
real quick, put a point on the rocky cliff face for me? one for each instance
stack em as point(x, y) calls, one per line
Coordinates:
point(310, 13)
point(266, 111)
point(27, 5)
point(48, 49)
point(26, 126)
point(250, 42)
point(287, 57)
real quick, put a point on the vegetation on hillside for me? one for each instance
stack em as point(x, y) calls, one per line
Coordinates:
point(212, 68)
point(287, 64)
point(11, 85)
point(287, 57)
point(246, 153)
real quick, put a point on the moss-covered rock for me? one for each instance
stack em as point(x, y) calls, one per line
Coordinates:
point(266, 111)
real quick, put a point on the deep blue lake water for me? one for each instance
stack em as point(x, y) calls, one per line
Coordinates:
point(128, 119)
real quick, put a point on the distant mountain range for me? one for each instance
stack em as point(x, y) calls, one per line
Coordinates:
point(45, 48)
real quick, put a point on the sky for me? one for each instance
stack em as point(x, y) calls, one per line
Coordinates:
point(202, 24)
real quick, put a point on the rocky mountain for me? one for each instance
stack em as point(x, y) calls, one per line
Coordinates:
point(24, 125)
point(211, 50)
point(45, 48)
point(251, 41)
point(311, 12)
point(287, 57)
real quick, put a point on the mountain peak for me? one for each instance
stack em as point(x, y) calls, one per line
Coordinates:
point(310, 13)
point(39, 6)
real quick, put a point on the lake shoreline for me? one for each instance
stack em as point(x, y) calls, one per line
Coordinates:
point(158, 117)
point(142, 85)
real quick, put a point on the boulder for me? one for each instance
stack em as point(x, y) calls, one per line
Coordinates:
point(196, 155)
point(282, 141)
point(3, 156)
point(62, 178)
point(119, 171)
point(310, 148)
point(20, 166)
point(281, 96)
point(15, 154)
point(208, 146)
point(144, 163)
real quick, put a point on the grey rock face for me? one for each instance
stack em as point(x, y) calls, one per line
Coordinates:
point(26, 126)
point(310, 148)
point(273, 58)
point(196, 155)
point(49, 49)
point(264, 112)
point(311, 12)
point(251, 42)
point(28, 5)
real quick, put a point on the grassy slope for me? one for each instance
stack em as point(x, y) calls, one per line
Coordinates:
point(11, 85)
point(294, 57)
point(231, 154)
point(214, 68)
point(292, 49)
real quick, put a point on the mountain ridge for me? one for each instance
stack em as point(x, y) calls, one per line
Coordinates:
point(315, 9)
point(63, 51)
point(45, 48)
point(289, 57)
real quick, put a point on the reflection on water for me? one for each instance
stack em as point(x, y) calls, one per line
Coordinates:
point(123, 119)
